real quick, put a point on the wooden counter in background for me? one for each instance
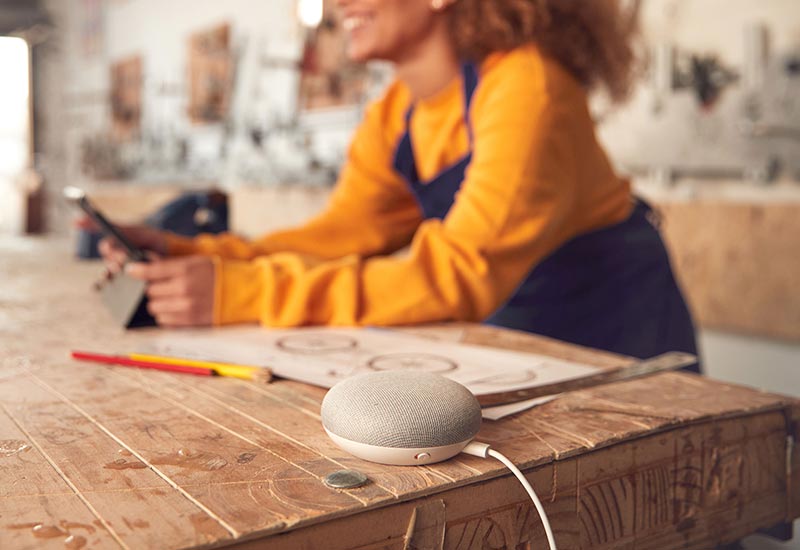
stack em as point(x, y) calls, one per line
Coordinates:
point(737, 254)
point(130, 202)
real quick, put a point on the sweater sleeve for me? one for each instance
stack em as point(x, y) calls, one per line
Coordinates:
point(371, 211)
point(513, 209)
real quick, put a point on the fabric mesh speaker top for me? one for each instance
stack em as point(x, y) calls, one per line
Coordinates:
point(401, 409)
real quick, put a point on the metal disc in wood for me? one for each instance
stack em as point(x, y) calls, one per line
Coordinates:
point(345, 479)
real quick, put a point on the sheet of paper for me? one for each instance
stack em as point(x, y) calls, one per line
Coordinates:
point(324, 356)
point(502, 411)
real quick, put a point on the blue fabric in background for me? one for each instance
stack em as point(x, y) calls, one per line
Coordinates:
point(192, 214)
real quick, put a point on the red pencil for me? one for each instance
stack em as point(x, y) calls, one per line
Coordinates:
point(126, 362)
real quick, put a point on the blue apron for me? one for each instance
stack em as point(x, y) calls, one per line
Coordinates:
point(611, 289)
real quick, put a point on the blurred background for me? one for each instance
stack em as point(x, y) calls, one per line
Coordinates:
point(141, 101)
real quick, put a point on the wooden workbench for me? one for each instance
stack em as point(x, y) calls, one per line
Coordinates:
point(102, 457)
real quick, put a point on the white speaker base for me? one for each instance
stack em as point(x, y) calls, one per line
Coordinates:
point(398, 456)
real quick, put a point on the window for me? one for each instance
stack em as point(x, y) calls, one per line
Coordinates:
point(14, 126)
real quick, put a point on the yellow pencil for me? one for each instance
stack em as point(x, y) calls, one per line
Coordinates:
point(256, 374)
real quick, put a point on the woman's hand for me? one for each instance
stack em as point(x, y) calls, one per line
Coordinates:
point(180, 291)
point(114, 255)
point(146, 238)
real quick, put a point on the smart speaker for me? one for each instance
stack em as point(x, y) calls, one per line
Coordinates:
point(401, 417)
point(408, 417)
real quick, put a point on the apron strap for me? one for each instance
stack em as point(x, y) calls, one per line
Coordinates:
point(404, 161)
point(470, 75)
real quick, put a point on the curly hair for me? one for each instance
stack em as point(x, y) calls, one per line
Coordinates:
point(592, 39)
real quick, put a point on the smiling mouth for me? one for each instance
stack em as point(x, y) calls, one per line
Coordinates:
point(355, 22)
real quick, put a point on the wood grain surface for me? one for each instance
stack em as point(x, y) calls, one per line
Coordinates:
point(102, 457)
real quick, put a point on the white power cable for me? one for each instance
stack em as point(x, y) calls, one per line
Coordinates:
point(483, 450)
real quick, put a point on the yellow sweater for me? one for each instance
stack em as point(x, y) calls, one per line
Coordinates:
point(537, 178)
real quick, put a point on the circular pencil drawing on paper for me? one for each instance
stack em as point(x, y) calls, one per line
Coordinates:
point(412, 361)
point(509, 379)
point(316, 343)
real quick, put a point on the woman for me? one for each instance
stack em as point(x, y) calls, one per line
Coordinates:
point(482, 156)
